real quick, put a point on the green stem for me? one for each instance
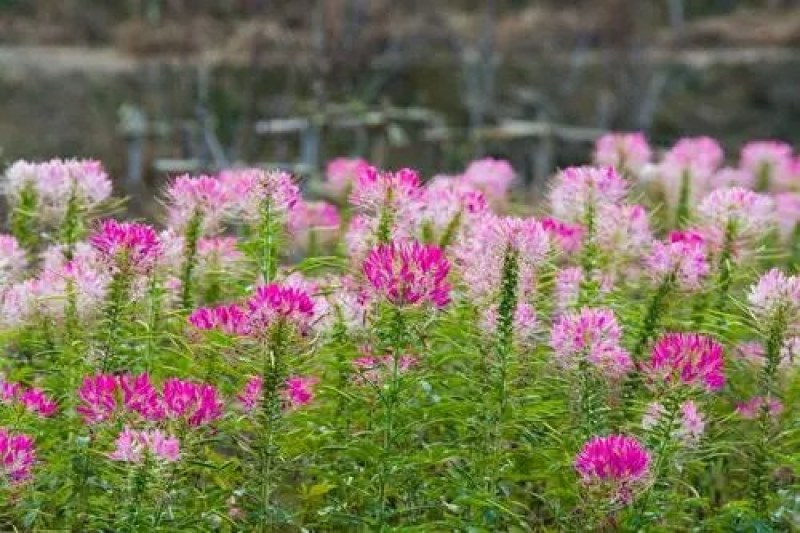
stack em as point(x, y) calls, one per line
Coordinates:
point(664, 435)
point(70, 230)
point(273, 374)
point(191, 238)
point(386, 221)
point(389, 398)
point(762, 456)
point(268, 241)
point(504, 349)
point(682, 214)
point(120, 285)
point(652, 315)
point(23, 219)
point(589, 256)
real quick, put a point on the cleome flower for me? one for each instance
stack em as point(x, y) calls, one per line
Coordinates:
point(408, 273)
point(687, 359)
point(593, 336)
point(17, 456)
point(615, 466)
point(625, 151)
point(125, 245)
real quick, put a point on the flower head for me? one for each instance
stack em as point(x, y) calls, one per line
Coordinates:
point(202, 196)
point(682, 257)
point(568, 237)
point(408, 273)
point(770, 161)
point(37, 401)
point(687, 359)
point(746, 213)
point(253, 190)
point(98, 398)
point(579, 189)
point(626, 151)
point(274, 303)
point(492, 176)
point(616, 465)
point(622, 232)
point(12, 260)
point(692, 424)
point(341, 173)
point(57, 182)
point(17, 456)
point(124, 245)
point(131, 446)
point(374, 190)
point(447, 208)
point(592, 335)
point(775, 293)
point(196, 403)
point(481, 255)
point(299, 390)
point(692, 161)
point(229, 319)
point(752, 408)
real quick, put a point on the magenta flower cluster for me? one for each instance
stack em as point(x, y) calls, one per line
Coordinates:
point(104, 398)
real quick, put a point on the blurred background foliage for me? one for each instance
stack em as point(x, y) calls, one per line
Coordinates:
point(190, 70)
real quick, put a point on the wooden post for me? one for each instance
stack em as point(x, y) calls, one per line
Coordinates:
point(133, 125)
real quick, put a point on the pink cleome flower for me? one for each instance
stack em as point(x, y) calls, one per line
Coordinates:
point(569, 237)
point(682, 256)
point(297, 391)
point(280, 304)
point(692, 424)
point(251, 190)
point(616, 464)
point(124, 245)
point(492, 176)
point(768, 160)
point(775, 293)
point(375, 190)
point(13, 260)
point(104, 397)
point(480, 257)
point(592, 335)
point(341, 173)
point(203, 196)
point(627, 151)
point(578, 189)
point(748, 214)
point(229, 319)
point(687, 359)
point(409, 273)
point(752, 408)
point(17, 456)
point(37, 401)
point(132, 445)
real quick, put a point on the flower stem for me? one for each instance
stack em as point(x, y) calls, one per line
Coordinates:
point(652, 315)
point(191, 238)
point(767, 384)
point(273, 374)
point(120, 284)
point(682, 213)
point(389, 399)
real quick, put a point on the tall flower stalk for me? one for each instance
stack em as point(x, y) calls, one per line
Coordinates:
point(775, 304)
point(401, 276)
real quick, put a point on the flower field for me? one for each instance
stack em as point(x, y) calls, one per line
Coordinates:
point(410, 353)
